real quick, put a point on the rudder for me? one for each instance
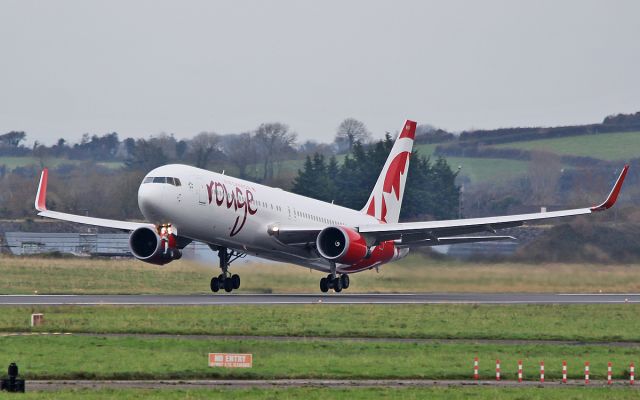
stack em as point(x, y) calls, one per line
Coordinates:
point(385, 200)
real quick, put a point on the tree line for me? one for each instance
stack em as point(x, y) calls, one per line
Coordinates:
point(431, 190)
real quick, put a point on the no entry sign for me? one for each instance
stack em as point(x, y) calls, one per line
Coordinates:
point(230, 360)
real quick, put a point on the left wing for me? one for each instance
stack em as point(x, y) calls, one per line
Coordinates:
point(41, 206)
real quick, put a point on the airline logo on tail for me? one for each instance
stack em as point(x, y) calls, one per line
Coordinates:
point(386, 199)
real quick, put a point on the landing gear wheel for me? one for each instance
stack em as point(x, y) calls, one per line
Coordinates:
point(337, 285)
point(215, 284)
point(345, 281)
point(235, 280)
point(228, 285)
point(221, 277)
point(324, 285)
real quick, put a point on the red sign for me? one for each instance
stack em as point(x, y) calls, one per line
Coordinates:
point(228, 360)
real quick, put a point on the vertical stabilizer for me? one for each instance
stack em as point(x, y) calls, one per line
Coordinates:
point(386, 199)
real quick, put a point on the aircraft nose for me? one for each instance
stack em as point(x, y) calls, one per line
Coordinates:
point(149, 202)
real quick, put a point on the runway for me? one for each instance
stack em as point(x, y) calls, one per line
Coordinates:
point(342, 298)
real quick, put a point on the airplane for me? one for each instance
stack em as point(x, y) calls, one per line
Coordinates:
point(237, 217)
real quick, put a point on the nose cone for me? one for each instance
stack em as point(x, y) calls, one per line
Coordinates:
point(150, 202)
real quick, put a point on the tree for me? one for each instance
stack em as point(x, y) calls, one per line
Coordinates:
point(146, 156)
point(431, 190)
point(314, 180)
point(240, 150)
point(202, 146)
point(273, 141)
point(349, 132)
point(12, 139)
point(545, 170)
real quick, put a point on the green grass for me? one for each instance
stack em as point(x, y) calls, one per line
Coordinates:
point(609, 146)
point(87, 357)
point(15, 162)
point(452, 393)
point(480, 170)
point(413, 274)
point(443, 321)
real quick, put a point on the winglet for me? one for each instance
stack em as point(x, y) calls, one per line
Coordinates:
point(41, 196)
point(613, 196)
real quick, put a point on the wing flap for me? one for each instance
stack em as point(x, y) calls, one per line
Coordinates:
point(457, 240)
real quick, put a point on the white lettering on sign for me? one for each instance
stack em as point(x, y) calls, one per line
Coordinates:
point(227, 360)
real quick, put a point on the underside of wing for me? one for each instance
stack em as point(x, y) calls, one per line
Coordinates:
point(40, 204)
point(294, 235)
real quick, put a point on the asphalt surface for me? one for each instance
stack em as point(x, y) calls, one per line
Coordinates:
point(283, 383)
point(342, 298)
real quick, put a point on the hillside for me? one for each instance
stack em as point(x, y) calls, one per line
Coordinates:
point(604, 146)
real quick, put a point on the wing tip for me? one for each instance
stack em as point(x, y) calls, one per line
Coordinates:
point(41, 195)
point(613, 195)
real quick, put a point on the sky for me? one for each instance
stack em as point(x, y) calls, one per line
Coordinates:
point(141, 68)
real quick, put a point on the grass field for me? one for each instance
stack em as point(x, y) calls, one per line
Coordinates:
point(453, 393)
point(594, 323)
point(413, 274)
point(319, 355)
point(87, 357)
point(481, 170)
point(610, 146)
point(15, 162)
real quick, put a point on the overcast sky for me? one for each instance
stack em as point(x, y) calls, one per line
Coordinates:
point(144, 67)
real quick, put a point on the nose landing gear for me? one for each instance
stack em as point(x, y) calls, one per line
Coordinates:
point(226, 280)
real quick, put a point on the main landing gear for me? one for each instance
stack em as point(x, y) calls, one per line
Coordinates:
point(226, 280)
point(335, 282)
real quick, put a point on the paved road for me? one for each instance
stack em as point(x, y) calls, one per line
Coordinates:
point(343, 298)
point(282, 383)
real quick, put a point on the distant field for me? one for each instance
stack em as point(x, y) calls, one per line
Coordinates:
point(15, 162)
point(609, 146)
point(413, 274)
point(449, 393)
point(480, 170)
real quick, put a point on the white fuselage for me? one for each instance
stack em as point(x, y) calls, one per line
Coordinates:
point(228, 212)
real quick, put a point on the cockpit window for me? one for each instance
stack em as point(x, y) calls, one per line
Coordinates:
point(163, 179)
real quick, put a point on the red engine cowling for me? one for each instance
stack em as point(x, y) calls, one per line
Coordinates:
point(341, 245)
point(146, 245)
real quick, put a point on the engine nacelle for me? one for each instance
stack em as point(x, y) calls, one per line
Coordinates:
point(146, 245)
point(341, 245)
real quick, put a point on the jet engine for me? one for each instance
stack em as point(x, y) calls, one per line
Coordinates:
point(146, 245)
point(341, 245)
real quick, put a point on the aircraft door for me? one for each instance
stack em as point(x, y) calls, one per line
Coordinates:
point(203, 195)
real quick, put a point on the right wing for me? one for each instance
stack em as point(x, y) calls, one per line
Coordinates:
point(41, 206)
